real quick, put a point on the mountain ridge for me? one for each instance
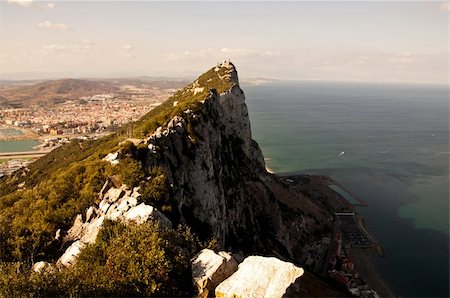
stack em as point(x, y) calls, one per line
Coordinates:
point(60, 90)
point(192, 158)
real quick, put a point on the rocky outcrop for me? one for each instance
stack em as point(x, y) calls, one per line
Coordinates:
point(219, 181)
point(210, 269)
point(262, 277)
point(116, 204)
point(218, 275)
point(113, 158)
point(41, 266)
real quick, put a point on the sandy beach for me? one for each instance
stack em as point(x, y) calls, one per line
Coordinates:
point(269, 170)
point(362, 257)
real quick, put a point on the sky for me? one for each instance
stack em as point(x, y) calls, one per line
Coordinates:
point(350, 41)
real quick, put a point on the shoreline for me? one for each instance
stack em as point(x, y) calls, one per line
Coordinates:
point(269, 170)
point(362, 257)
point(26, 134)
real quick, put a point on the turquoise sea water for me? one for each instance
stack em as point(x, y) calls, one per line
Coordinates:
point(388, 144)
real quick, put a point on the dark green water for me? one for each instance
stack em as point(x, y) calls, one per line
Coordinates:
point(344, 194)
point(16, 146)
point(395, 140)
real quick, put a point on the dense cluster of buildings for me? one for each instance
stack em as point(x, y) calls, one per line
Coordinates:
point(314, 254)
point(84, 115)
point(352, 232)
point(330, 255)
point(341, 267)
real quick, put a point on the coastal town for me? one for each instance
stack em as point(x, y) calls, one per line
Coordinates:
point(83, 115)
point(76, 116)
point(342, 254)
point(331, 255)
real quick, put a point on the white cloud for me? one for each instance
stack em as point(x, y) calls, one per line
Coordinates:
point(86, 44)
point(55, 47)
point(83, 46)
point(129, 55)
point(33, 3)
point(50, 25)
point(406, 66)
point(127, 51)
point(242, 52)
point(222, 53)
point(445, 6)
point(402, 58)
point(24, 3)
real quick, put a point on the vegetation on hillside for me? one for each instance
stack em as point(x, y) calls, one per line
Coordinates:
point(125, 260)
point(36, 202)
point(29, 218)
point(184, 99)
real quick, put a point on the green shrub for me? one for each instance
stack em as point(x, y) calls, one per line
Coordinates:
point(154, 189)
point(125, 260)
point(128, 149)
point(186, 99)
point(130, 171)
point(30, 218)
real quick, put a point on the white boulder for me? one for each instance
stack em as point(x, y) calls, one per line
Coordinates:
point(71, 253)
point(113, 158)
point(40, 266)
point(116, 204)
point(209, 269)
point(260, 277)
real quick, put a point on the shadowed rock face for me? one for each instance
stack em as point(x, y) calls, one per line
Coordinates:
point(219, 180)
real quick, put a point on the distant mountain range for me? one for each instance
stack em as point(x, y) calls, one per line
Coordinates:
point(55, 91)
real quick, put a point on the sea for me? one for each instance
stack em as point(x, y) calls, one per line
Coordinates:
point(386, 143)
point(18, 145)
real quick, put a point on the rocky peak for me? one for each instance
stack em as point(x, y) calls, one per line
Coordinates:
point(217, 177)
point(217, 172)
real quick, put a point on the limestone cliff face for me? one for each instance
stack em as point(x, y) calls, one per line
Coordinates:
point(218, 177)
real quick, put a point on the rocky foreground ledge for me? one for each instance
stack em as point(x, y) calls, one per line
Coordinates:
point(256, 276)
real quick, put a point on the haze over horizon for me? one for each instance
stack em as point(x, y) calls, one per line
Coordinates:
point(351, 41)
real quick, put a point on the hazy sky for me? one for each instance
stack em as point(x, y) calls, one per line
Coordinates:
point(367, 41)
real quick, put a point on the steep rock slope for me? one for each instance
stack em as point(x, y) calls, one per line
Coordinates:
point(218, 178)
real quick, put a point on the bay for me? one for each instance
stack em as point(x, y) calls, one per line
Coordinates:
point(17, 146)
